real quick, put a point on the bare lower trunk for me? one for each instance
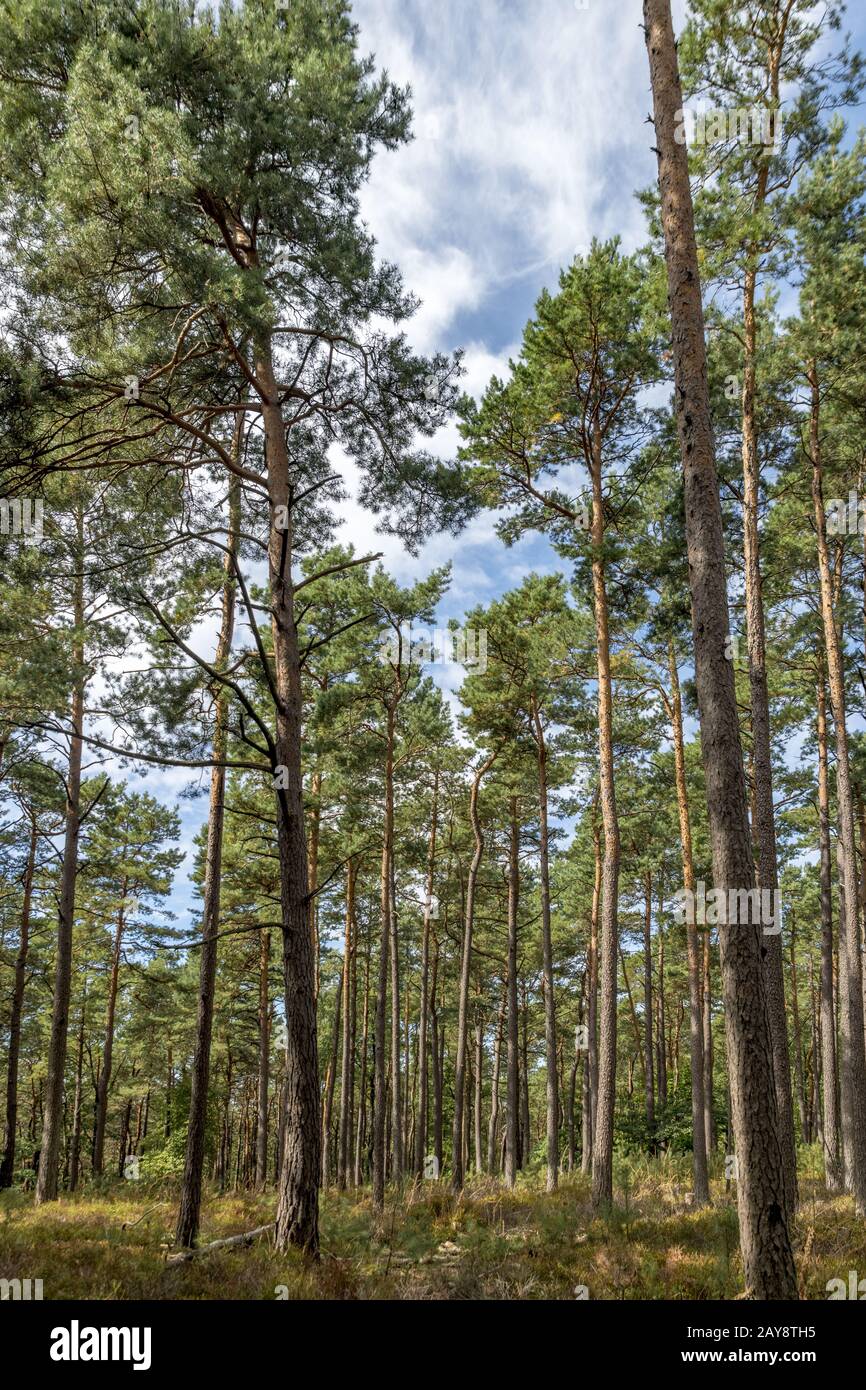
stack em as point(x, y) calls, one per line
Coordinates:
point(493, 1123)
point(104, 1078)
point(552, 1090)
point(264, 1061)
point(7, 1166)
point(347, 1063)
point(853, 1053)
point(649, 1070)
point(696, 1041)
point(512, 1051)
point(767, 1256)
point(190, 1194)
point(298, 1200)
point(764, 824)
point(592, 1005)
point(52, 1122)
point(457, 1166)
point(602, 1138)
point(830, 1090)
point(422, 1115)
point(328, 1098)
point(75, 1141)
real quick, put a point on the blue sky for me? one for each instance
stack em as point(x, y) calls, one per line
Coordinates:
point(531, 138)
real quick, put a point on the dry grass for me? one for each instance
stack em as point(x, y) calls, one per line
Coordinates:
point(488, 1243)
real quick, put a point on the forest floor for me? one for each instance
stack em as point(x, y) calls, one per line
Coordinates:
point(487, 1244)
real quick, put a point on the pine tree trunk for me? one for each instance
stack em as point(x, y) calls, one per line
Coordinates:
point(707, 1008)
point(552, 1096)
point(767, 1256)
point(764, 826)
point(104, 1078)
point(649, 1070)
point(7, 1166)
point(396, 1067)
point(457, 1165)
point(602, 1137)
point(264, 1021)
point(829, 1071)
point(75, 1141)
point(347, 1059)
point(422, 1117)
point(493, 1123)
point(696, 1041)
point(592, 1007)
point(298, 1201)
point(328, 1098)
point(798, 1037)
point(853, 1052)
point(512, 1051)
point(190, 1194)
point(379, 1082)
point(52, 1122)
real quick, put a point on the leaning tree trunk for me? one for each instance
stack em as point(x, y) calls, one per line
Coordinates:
point(190, 1193)
point(766, 1247)
point(52, 1123)
point(7, 1166)
point(853, 1068)
point(696, 1041)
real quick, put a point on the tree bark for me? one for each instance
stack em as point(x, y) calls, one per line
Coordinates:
point(347, 1062)
point(189, 1209)
point(696, 1042)
point(264, 1021)
point(104, 1078)
point(764, 825)
point(298, 1201)
point(602, 1137)
point(552, 1095)
point(512, 1050)
point(767, 1256)
point(422, 1117)
point(7, 1166)
point(853, 1052)
point(457, 1168)
point(52, 1122)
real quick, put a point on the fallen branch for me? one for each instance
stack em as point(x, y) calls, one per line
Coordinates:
point(247, 1238)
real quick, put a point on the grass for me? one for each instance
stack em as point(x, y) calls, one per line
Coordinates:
point(488, 1243)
